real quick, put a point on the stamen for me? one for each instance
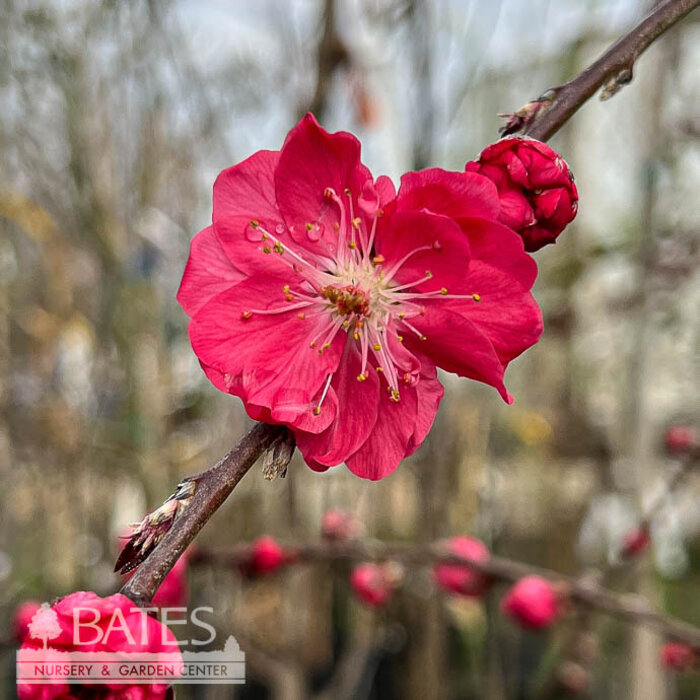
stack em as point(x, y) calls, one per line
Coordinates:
point(317, 409)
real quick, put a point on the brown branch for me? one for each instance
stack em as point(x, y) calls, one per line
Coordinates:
point(612, 70)
point(585, 592)
point(213, 487)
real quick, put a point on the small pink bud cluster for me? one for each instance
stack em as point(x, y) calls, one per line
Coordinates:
point(340, 526)
point(374, 584)
point(461, 579)
point(264, 557)
point(532, 602)
point(681, 440)
point(677, 656)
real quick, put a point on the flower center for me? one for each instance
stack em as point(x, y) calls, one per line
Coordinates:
point(353, 291)
point(348, 300)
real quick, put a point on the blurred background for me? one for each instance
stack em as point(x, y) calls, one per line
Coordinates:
point(116, 118)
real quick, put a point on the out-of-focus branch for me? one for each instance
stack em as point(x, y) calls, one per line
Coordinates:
point(212, 488)
point(331, 54)
point(631, 608)
point(542, 118)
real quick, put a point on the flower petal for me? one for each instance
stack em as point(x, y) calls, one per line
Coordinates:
point(448, 193)
point(358, 403)
point(244, 193)
point(311, 161)
point(389, 442)
point(270, 353)
point(208, 272)
point(429, 394)
point(446, 256)
point(457, 345)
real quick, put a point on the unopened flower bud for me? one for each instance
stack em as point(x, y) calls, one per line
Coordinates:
point(677, 656)
point(265, 557)
point(374, 584)
point(532, 602)
point(340, 525)
point(681, 439)
point(460, 578)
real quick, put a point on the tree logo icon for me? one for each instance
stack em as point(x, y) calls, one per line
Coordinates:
point(44, 624)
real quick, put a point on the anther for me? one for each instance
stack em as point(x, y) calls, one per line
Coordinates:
point(407, 378)
point(329, 193)
point(317, 411)
point(378, 259)
point(286, 289)
point(347, 191)
point(422, 337)
point(255, 223)
point(308, 226)
point(301, 315)
point(437, 245)
point(377, 346)
point(267, 250)
point(246, 315)
point(356, 336)
point(361, 377)
point(399, 338)
point(444, 291)
point(476, 297)
point(380, 369)
point(428, 274)
point(395, 396)
point(278, 248)
point(289, 297)
point(356, 222)
point(352, 245)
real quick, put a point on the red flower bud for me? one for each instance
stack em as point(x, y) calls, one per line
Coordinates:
point(532, 602)
point(677, 656)
point(459, 578)
point(22, 617)
point(681, 439)
point(635, 542)
point(374, 584)
point(535, 186)
point(265, 556)
point(340, 525)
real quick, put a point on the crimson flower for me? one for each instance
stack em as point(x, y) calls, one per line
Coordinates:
point(325, 299)
point(537, 191)
point(532, 602)
point(116, 625)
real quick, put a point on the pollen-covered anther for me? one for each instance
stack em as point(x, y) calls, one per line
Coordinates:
point(286, 289)
point(395, 396)
point(407, 378)
point(356, 222)
point(308, 226)
point(444, 291)
point(361, 377)
point(289, 297)
point(378, 259)
point(329, 193)
point(317, 411)
point(352, 245)
point(267, 250)
point(422, 337)
point(428, 275)
point(245, 315)
point(301, 315)
point(254, 223)
point(278, 247)
point(377, 347)
point(399, 338)
point(380, 369)
point(476, 297)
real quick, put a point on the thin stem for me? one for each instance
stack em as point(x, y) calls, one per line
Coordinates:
point(213, 488)
point(615, 65)
point(585, 592)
